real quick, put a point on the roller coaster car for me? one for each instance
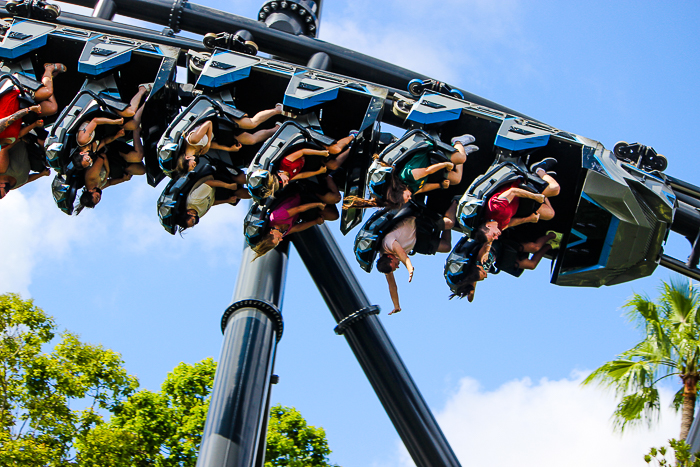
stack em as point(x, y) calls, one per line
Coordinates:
point(202, 108)
point(622, 217)
point(288, 138)
point(395, 156)
point(86, 105)
point(369, 239)
point(173, 201)
point(470, 208)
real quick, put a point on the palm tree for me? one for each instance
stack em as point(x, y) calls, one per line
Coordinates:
point(671, 346)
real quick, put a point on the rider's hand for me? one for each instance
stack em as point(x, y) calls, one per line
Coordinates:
point(410, 273)
point(535, 217)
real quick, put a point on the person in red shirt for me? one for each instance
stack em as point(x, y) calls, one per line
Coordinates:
point(292, 165)
point(502, 206)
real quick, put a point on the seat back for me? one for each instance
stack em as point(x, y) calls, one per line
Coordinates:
point(459, 261)
point(471, 206)
point(172, 203)
point(288, 138)
point(395, 156)
point(370, 237)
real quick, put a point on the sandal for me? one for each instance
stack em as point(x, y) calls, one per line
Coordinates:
point(58, 68)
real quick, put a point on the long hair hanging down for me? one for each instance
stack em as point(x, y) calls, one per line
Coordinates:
point(392, 200)
point(85, 201)
point(466, 285)
point(271, 186)
point(264, 246)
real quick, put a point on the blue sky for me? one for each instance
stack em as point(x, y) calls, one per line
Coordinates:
point(501, 374)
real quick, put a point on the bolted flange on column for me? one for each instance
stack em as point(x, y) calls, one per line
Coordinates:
point(297, 17)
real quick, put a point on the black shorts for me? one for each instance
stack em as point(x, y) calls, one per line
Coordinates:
point(117, 164)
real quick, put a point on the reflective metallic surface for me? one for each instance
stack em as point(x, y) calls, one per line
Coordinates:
point(234, 433)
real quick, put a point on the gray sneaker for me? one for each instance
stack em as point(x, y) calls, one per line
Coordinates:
point(470, 148)
point(464, 139)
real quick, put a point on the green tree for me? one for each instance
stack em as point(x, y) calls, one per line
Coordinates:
point(38, 424)
point(293, 443)
point(671, 347)
point(682, 453)
point(155, 428)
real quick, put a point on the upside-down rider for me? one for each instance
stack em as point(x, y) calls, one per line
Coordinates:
point(505, 255)
point(503, 205)
point(400, 241)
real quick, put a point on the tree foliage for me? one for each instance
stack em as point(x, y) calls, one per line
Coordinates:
point(670, 347)
point(40, 392)
point(293, 443)
point(156, 428)
point(682, 454)
point(77, 406)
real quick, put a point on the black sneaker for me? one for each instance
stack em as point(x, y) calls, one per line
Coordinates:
point(545, 164)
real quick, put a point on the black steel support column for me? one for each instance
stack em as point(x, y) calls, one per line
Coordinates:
point(252, 326)
point(373, 349)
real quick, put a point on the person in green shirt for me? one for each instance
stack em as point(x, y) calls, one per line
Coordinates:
point(416, 171)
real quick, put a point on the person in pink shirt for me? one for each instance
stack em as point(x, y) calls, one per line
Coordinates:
point(286, 219)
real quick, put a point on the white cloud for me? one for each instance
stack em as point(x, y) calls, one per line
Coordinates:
point(33, 230)
point(548, 423)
